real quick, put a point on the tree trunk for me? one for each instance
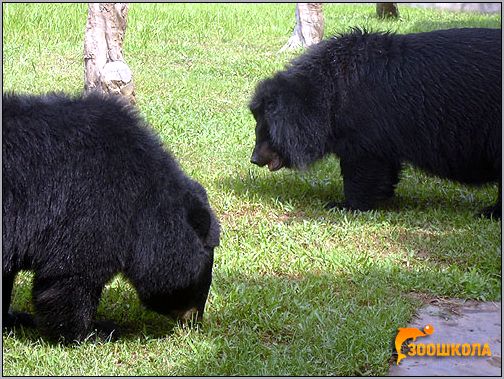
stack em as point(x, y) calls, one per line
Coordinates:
point(309, 28)
point(387, 10)
point(105, 68)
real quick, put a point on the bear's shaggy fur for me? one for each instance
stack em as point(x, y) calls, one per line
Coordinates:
point(89, 192)
point(378, 100)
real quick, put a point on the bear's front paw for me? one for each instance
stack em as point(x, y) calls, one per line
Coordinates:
point(346, 206)
point(16, 319)
point(332, 205)
point(106, 330)
point(491, 212)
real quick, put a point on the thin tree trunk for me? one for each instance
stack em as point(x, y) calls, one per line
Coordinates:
point(106, 70)
point(387, 10)
point(309, 28)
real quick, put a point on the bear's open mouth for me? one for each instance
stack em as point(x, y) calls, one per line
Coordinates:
point(275, 163)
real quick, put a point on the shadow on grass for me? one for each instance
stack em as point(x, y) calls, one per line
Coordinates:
point(118, 305)
point(343, 323)
point(341, 320)
point(302, 190)
point(311, 317)
point(317, 307)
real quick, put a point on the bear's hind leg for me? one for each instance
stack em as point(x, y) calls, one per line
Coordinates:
point(65, 307)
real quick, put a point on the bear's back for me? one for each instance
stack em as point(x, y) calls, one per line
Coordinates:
point(56, 129)
point(78, 164)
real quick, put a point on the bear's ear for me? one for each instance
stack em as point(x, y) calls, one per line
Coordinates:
point(199, 218)
point(256, 105)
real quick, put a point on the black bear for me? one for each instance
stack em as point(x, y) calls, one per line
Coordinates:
point(89, 192)
point(378, 100)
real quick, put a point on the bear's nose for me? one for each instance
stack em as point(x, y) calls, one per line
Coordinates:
point(255, 159)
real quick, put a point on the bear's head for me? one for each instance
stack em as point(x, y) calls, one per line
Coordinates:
point(173, 256)
point(292, 122)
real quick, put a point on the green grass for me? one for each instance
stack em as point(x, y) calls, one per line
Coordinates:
point(297, 290)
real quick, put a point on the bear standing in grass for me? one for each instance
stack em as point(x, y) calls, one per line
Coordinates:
point(89, 192)
point(379, 100)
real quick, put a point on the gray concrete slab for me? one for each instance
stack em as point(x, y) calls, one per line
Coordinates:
point(459, 322)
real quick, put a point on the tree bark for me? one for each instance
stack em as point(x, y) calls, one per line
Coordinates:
point(106, 70)
point(387, 10)
point(309, 29)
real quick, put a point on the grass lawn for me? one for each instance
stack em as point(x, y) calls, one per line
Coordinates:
point(297, 290)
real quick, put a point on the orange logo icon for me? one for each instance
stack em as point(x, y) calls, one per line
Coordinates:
point(408, 333)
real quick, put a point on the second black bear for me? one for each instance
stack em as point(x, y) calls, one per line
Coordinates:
point(89, 192)
point(378, 100)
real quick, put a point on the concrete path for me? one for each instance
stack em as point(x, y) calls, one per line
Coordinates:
point(457, 322)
